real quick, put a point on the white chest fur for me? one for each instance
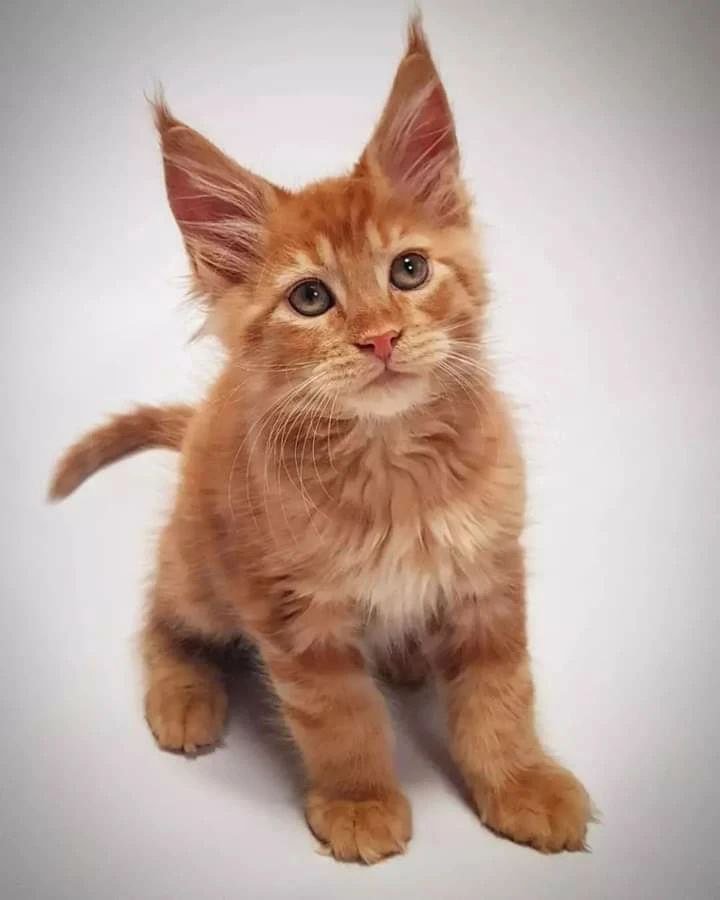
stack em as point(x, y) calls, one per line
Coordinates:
point(399, 573)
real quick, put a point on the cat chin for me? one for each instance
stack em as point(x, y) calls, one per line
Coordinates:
point(385, 401)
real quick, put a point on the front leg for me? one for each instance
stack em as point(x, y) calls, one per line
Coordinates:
point(338, 719)
point(519, 790)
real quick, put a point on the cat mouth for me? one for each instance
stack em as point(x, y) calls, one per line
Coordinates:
point(388, 392)
point(389, 378)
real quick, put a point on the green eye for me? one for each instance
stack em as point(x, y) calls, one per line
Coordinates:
point(311, 298)
point(408, 271)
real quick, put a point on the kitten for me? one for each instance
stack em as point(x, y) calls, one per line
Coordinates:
point(351, 490)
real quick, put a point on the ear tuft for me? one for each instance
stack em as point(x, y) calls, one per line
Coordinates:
point(416, 40)
point(162, 116)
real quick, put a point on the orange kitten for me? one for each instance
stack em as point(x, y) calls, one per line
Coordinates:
point(352, 491)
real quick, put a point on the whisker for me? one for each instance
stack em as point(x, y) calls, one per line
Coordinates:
point(461, 383)
point(299, 465)
point(314, 458)
point(267, 417)
point(331, 456)
point(278, 434)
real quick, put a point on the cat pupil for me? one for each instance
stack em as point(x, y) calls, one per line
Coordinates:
point(312, 295)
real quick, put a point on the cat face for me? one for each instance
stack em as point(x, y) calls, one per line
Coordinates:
point(367, 292)
point(362, 294)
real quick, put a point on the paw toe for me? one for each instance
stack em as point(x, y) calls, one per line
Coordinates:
point(186, 718)
point(545, 807)
point(360, 830)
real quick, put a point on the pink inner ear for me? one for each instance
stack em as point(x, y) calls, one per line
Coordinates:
point(426, 145)
point(414, 144)
point(197, 200)
point(220, 211)
point(191, 205)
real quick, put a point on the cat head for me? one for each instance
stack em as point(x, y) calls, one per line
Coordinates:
point(363, 291)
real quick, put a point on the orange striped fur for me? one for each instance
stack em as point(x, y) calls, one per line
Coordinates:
point(343, 516)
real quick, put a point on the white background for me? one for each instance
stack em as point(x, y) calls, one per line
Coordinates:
point(591, 138)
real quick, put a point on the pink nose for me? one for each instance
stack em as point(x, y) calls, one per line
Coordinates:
point(381, 345)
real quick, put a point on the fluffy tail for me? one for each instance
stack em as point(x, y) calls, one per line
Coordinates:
point(146, 427)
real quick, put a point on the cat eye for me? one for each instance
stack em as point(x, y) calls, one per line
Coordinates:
point(311, 298)
point(408, 271)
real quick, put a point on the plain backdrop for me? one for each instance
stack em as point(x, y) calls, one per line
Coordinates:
point(591, 139)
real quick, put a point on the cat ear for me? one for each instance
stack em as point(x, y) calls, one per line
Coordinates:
point(414, 145)
point(220, 207)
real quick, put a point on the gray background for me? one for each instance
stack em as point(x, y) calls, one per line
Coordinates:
point(591, 138)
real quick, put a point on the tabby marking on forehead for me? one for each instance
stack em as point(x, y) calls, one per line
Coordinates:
point(374, 239)
point(325, 251)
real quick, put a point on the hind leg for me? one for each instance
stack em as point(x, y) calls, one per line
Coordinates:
point(186, 698)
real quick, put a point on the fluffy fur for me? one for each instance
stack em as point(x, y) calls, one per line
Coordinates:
point(331, 510)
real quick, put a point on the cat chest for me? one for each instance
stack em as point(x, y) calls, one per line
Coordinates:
point(401, 570)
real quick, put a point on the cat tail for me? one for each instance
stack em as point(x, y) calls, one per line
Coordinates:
point(142, 429)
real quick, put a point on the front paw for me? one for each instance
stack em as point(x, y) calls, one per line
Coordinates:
point(360, 830)
point(544, 806)
point(186, 717)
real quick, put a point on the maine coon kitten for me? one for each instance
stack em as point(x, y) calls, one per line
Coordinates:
point(351, 482)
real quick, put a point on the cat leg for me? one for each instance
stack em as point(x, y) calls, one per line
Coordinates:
point(518, 789)
point(186, 698)
point(339, 721)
